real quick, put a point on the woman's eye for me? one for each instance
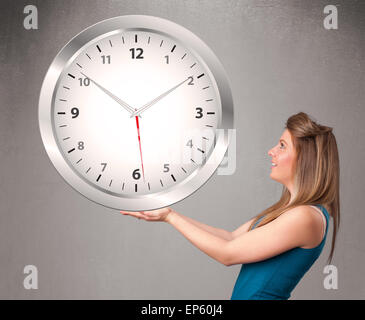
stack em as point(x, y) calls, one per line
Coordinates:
point(281, 145)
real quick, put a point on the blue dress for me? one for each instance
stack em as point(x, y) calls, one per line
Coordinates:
point(276, 277)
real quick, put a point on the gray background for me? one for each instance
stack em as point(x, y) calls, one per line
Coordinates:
point(280, 60)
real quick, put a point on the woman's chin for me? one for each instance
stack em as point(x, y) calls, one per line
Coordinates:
point(272, 176)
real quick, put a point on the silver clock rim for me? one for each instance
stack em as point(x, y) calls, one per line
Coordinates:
point(71, 49)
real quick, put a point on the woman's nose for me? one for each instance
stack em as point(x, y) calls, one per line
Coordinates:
point(270, 152)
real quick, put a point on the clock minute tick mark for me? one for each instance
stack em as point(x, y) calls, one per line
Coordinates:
point(110, 182)
point(173, 48)
point(67, 88)
point(98, 48)
point(183, 56)
point(123, 39)
point(161, 43)
point(200, 76)
point(135, 38)
point(88, 56)
point(210, 112)
point(64, 139)
point(149, 38)
point(78, 161)
point(183, 169)
point(172, 176)
point(79, 65)
point(61, 112)
point(208, 100)
point(63, 100)
point(71, 75)
point(193, 65)
point(135, 187)
point(73, 149)
point(62, 126)
point(161, 182)
point(149, 186)
point(97, 180)
point(110, 43)
point(88, 170)
point(123, 186)
point(205, 88)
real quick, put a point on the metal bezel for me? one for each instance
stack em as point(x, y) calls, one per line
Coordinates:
point(71, 49)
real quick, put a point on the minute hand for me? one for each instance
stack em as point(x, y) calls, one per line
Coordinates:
point(151, 103)
point(114, 97)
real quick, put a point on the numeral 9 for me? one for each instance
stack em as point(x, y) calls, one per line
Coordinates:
point(74, 112)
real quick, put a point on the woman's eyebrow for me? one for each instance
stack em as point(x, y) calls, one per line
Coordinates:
point(283, 141)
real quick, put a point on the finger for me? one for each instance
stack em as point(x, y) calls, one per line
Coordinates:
point(133, 214)
point(130, 212)
point(126, 213)
point(150, 213)
point(139, 215)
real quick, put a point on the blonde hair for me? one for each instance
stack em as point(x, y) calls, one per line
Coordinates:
point(317, 172)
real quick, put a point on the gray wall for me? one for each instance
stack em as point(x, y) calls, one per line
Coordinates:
point(280, 60)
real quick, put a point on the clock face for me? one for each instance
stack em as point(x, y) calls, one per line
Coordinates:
point(134, 113)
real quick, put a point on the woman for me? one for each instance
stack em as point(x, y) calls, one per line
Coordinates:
point(278, 246)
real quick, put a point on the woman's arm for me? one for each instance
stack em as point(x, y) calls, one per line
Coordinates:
point(294, 228)
point(211, 244)
point(224, 234)
point(290, 230)
point(207, 242)
point(242, 229)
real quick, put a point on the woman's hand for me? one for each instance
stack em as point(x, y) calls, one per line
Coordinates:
point(154, 215)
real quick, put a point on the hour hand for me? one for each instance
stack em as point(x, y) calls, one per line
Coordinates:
point(114, 97)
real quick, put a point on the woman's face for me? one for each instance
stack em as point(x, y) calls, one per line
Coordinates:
point(283, 156)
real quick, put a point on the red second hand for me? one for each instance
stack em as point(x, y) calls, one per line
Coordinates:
point(140, 148)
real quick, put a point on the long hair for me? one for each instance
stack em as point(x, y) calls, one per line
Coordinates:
point(317, 172)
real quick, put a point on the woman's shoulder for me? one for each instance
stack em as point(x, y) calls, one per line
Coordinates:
point(306, 213)
point(311, 220)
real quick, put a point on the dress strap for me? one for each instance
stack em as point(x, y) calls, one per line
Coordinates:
point(324, 218)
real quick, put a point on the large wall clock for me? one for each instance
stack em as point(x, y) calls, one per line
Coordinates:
point(134, 112)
